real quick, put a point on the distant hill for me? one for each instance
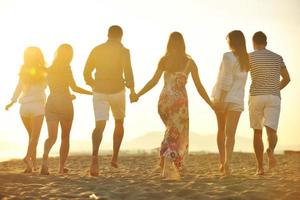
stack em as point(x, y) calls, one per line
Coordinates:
point(147, 142)
point(197, 142)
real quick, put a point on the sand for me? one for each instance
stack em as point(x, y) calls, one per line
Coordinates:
point(135, 179)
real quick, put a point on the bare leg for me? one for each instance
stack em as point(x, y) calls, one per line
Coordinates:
point(161, 162)
point(118, 137)
point(65, 145)
point(36, 125)
point(259, 150)
point(50, 141)
point(230, 130)
point(33, 159)
point(27, 123)
point(221, 118)
point(272, 140)
point(96, 139)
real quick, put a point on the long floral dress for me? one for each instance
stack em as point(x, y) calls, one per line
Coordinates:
point(173, 110)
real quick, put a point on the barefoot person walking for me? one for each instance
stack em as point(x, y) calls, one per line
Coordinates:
point(176, 66)
point(31, 94)
point(228, 96)
point(59, 106)
point(111, 62)
point(266, 68)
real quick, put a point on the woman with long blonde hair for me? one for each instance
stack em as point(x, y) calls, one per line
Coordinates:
point(30, 92)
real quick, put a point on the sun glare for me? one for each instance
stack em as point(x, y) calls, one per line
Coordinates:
point(146, 25)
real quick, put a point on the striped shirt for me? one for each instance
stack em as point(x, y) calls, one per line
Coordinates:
point(265, 67)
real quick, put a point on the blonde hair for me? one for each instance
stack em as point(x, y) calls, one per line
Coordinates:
point(33, 70)
point(237, 43)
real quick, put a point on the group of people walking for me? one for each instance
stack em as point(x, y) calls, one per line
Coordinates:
point(113, 72)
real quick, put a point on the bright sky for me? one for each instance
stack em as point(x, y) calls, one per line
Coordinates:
point(147, 25)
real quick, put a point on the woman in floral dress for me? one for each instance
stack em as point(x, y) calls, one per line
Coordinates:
point(176, 65)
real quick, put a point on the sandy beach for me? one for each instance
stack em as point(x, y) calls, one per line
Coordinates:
point(136, 179)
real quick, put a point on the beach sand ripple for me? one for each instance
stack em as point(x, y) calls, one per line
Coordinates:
point(137, 179)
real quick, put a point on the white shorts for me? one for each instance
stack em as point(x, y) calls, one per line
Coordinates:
point(32, 109)
point(234, 107)
point(103, 102)
point(264, 110)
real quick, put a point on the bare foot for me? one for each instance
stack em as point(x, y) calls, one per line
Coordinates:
point(44, 170)
point(260, 172)
point(161, 162)
point(35, 166)
point(94, 168)
point(271, 159)
point(170, 171)
point(63, 170)
point(157, 168)
point(28, 164)
point(27, 171)
point(114, 164)
point(221, 168)
point(227, 170)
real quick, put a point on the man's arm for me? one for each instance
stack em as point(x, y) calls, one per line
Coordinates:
point(285, 78)
point(129, 79)
point(88, 69)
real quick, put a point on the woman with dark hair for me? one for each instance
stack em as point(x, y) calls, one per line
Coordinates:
point(59, 106)
point(30, 92)
point(228, 96)
point(176, 65)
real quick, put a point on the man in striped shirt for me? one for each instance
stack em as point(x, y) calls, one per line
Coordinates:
point(269, 75)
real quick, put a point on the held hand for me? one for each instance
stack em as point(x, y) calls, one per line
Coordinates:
point(92, 85)
point(219, 107)
point(133, 97)
point(7, 107)
point(73, 97)
point(212, 106)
